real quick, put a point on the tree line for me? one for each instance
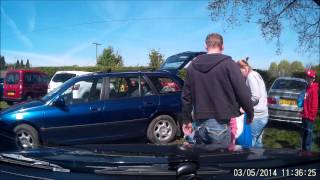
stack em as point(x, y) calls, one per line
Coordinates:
point(18, 65)
point(110, 58)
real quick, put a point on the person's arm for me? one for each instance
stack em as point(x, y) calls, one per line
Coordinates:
point(254, 89)
point(187, 100)
point(314, 104)
point(240, 88)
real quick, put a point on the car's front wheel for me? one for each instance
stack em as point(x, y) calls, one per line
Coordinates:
point(26, 136)
point(162, 130)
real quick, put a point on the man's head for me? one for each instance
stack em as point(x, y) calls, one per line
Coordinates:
point(214, 43)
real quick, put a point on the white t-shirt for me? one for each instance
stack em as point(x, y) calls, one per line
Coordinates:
point(258, 94)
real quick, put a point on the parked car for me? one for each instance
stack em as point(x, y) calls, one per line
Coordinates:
point(283, 99)
point(21, 85)
point(1, 89)
point(113, 106)
point(62, 76)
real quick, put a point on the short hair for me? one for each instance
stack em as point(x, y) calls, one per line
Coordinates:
point(214, 40)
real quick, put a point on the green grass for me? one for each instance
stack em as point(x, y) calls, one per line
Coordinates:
point(3, 105)
point(283, 138)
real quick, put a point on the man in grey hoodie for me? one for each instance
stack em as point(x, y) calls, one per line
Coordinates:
point(214, 90)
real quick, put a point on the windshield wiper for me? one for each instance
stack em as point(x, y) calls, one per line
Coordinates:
point(25, 161)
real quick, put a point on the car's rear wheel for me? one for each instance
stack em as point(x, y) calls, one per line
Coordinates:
point(162, 130)
point(26, 136)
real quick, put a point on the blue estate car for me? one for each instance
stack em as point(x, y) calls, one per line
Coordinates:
point(103, 107)
point(99, 107)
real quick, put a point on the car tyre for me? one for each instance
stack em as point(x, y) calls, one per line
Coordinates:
point(162, 130)
point(26, 136)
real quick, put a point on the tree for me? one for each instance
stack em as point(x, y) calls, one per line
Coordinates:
point(2, 63)
point(28, 64)
point(284, 68)
point(156, 59)
point(109, 58)
point(303, 17)
point(17, 66)
point(21, 64)
point(273, 70)
point(296, 66)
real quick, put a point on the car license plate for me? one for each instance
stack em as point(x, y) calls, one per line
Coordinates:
point(10, 93)
point(288, 102)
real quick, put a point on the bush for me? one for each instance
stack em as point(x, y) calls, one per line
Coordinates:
point(52, 70)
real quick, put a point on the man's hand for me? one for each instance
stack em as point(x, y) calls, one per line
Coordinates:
point(187, 128)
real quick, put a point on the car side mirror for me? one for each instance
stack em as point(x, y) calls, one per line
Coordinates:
point(59, 102)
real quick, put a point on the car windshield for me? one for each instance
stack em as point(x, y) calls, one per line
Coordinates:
point(287, 84)
point(12, 78)
point(87, 83)
point(62, 77)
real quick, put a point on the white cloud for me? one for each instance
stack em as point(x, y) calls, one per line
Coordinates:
point(19, 35)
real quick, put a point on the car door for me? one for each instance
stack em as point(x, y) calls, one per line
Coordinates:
point(123, 110)
point(150, 98)
point(80, 118)
point(169, 90)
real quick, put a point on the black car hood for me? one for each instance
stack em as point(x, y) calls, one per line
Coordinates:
point(101, 156)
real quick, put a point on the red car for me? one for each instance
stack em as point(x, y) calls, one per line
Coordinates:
point(20, 85)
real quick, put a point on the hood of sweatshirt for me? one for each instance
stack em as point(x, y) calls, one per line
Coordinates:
point(204, 63)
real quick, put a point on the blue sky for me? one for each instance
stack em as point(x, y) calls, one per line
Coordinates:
point(57, 33)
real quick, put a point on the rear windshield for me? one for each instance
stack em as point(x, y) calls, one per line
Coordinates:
point(289, 85)
point(12, 78)
point(174, 62)
point(63, 77)
point(1, 80)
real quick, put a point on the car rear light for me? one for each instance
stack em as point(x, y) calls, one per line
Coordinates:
point(272, 100)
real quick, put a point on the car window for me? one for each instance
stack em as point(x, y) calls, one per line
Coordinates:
point(62, 77)
point(174, 62)
point(123, 87)
point(12, 78)
point(165, 84)
point(83, 92)
point(145, 88)
point(289, 85)
point(27, 78)
point(1, 80)
point(44, 79)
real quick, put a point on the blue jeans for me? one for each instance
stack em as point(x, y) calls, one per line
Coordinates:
point(307, 134)
point(257, 128)
point(210, 131)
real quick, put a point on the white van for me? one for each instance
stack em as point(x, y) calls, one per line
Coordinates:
point(62, 76)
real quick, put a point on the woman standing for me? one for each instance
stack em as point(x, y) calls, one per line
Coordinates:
point(259, 98)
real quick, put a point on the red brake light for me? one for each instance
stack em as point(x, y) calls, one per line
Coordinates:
point(272, 100)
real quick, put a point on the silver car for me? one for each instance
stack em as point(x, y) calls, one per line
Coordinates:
point(283, 99)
